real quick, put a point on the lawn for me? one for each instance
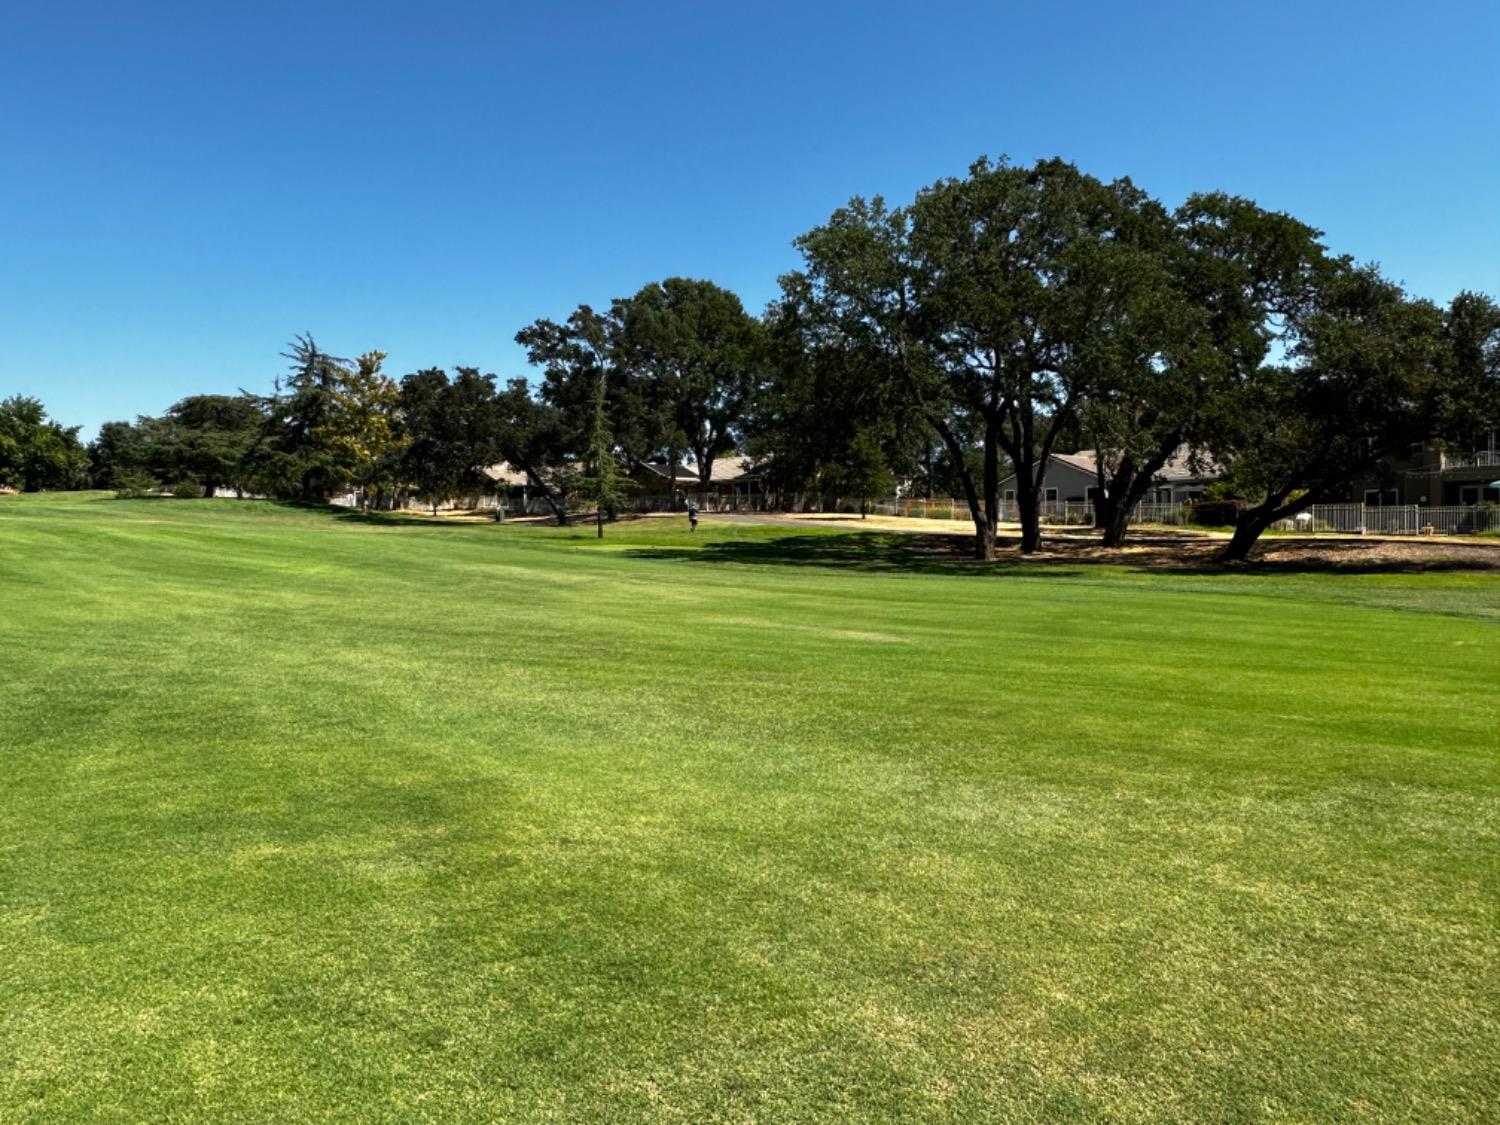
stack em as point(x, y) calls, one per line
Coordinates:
point(311, 817)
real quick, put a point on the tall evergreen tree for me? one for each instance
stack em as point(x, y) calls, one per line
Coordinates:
point(602, 482)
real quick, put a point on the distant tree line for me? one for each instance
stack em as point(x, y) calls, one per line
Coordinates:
point(995, 319)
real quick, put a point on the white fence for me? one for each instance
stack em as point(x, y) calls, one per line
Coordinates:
point(1067, 513)
point(1346, 519)
point(1396, 519)
point(531, 506)
point(704, 502)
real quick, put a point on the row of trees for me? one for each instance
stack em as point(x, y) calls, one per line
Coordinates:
point(995, 319)
point(667, 373)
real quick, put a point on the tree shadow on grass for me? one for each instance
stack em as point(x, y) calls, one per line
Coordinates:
point(1349, 557)
point(1073, 556)
point(380, 519)
point(870, 551)
point(1064, 554)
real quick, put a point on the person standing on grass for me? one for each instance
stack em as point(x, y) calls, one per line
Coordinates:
point(692, 516)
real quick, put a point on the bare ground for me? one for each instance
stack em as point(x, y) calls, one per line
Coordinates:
point(1186, 548)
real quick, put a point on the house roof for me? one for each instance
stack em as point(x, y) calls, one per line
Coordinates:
point(658, 469)
point(734, 467)
point(504, 473)
point(1179, 466)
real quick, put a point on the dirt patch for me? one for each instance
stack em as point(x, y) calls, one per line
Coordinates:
point(1194, 549)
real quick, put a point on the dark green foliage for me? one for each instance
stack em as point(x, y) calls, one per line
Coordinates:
point(1360, 383)
point(120, 451)
point(452, 428)
point(575, 357)
point(535, 438)
point(602, 483)
point(37, 453)
point(300, 412)
point(210, 436)
point(207, 438)
point(991, 300)
point(1468, 404)
point(696, 356)
point(132, 484)
point(820, 397)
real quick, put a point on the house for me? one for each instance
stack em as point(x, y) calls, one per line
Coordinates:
point(733, 477)
point(1429, 475)
point(653, 478)
point(1073, 477)
point(506, 476)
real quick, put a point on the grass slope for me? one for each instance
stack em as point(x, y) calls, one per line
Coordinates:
point(305, 817)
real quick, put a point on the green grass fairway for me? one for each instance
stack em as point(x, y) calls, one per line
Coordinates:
point(310, 817)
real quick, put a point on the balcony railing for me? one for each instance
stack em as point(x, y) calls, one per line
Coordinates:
point(1480, 460)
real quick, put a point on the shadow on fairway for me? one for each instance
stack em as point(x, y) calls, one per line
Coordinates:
point(1063, 555)
point(1071, 557)
point(874, 551)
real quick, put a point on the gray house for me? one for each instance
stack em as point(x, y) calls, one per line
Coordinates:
point(1073, 477)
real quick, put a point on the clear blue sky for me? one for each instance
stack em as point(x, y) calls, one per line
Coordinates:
point(184, 186)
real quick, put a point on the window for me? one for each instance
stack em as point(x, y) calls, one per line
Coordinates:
point(1010, 495)
point(1372, 497)
point(1468, 494)
point(1052, 496)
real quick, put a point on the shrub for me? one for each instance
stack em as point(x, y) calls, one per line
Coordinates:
point(1215, 513)
point(133, 485)
point(187, 489)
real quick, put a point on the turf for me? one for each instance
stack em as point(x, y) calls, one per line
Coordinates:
point(309, 817)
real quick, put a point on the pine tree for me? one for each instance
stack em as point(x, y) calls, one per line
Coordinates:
point(603, 483)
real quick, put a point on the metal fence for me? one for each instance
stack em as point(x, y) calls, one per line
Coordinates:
point(1064, 513)
point(1345, 519)
point(705, 502)
point(1394, 519)
point(1342, 519)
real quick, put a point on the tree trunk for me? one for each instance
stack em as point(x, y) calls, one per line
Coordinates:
point(991, 481)
point(984, 529)
point(559, 508)
point(1030, 514)
point(984, 538)
point(1114, 522)
point(599, 521)
point(1253, 522)
point(1249, 528)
